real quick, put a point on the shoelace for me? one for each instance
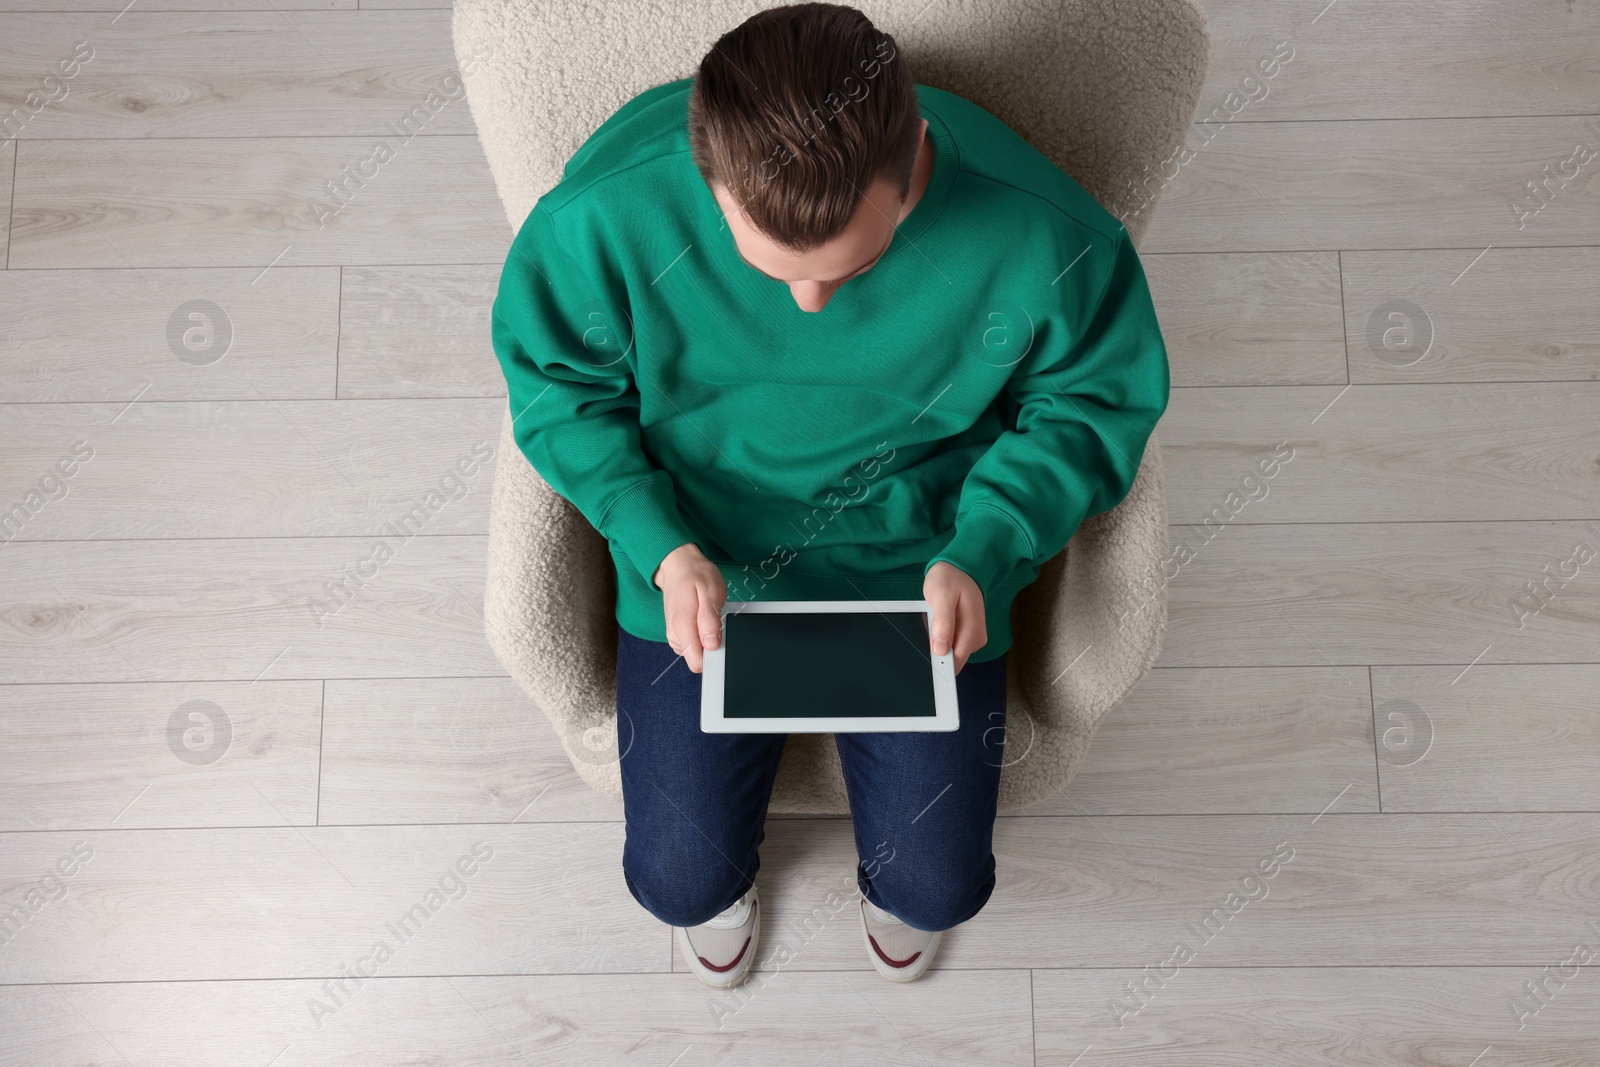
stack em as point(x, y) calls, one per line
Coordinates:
point(733, 916)
point(879, 915)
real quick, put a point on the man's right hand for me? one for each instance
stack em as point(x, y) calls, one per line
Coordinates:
point(693, 592)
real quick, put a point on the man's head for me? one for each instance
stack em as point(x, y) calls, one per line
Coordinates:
point(804, 123)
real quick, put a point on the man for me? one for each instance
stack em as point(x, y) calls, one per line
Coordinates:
point(798, 328)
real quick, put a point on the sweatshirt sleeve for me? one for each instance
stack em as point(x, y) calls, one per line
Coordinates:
point(1085, 409)
point(563, 343)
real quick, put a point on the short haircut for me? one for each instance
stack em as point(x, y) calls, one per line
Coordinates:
point(796, 112)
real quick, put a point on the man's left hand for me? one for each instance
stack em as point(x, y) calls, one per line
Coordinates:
point(956, 605)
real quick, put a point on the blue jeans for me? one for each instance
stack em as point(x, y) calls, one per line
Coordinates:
point(923, 803)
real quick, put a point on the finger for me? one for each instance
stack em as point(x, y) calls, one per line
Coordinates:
point(693, 649)
point(681, 628)
point(692, 652)
point(710, 628)
point(942, 627)
point(972, 632)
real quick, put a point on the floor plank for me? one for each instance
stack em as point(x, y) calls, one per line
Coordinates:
point(1440, 59)
point(1110, 891)
point(379, 468)
point(1249, 740)
point(1385, 453)
point(1376, 593)
point(8, 158)
point(1498, 738)
point(176, 754)
point(1262, 318)
point(1516, 314)
point(1311, 1017)
point(243, 610)
point(168, 334)
point(253, 202)
point(1340, 184)
point(267, 73)
point(116, 6)
point(452, 750)
point(305, 902)
point(418, 332)
point(1132, 885)
point(959, 1018)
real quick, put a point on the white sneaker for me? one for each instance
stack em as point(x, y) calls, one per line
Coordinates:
point(722, 950)
point(899, 952)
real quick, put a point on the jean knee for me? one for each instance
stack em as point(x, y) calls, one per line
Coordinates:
point(935, 898)
point(682, 893)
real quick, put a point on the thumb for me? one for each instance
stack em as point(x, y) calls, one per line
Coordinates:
point(942, 625)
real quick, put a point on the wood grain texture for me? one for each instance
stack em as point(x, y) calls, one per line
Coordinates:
point(1385, 453)
point(96, 757)
point(1497, 738)
point(453, 750)
point(1267, 318)
point(419, 331)
point(8, 157)
point(1413, 568)
point(1436, 58)
point(978, 1018)
point(163, 470)
point(1114, 891)
point(243, 609)
point(113, 7)
point(1195, 742)
point(292, 902)
point(1378, 593)
point(276, 335)
point(1341, 184)
point(1516, 314)
point(1103, 892)
point(1313, 1017)
point(261, 73)
point(249, 202)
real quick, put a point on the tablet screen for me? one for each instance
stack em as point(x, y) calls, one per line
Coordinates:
point(826, 663)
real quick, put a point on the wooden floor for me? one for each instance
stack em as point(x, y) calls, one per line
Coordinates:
point(1380, 676)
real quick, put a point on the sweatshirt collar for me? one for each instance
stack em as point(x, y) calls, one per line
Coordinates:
point(946, 163)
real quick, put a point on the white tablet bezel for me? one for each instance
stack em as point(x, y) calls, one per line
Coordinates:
point(946, 714)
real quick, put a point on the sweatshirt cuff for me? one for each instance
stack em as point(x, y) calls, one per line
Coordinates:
point(988, 546)
point(646, 525)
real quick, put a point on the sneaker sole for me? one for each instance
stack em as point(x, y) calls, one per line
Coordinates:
point(732, 978)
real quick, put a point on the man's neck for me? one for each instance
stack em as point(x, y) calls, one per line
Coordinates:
point(921, 171)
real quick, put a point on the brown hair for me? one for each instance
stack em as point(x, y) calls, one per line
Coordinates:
point(796, 111)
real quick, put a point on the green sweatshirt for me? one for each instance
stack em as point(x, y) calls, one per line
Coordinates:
point(972, 397)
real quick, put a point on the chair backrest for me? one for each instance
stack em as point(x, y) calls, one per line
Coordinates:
point(1105, 89)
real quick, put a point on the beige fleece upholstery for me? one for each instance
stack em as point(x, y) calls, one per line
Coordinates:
point(1104, 88)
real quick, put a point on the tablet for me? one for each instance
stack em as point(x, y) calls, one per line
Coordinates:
point(826, 666)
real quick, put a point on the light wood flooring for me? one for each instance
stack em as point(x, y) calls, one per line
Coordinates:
point(1358, 671)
